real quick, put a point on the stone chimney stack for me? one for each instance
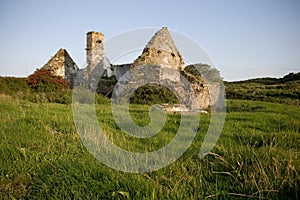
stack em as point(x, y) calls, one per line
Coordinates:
point(94, 49)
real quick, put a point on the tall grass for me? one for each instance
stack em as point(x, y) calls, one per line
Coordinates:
point(256, 157)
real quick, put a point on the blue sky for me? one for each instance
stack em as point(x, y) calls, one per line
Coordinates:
point(244, 38)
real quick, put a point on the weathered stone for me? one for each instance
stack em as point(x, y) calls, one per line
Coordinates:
point(61, 64)
point(199, 87)
point(160, 63)
point(161, 50)
point(120, 70)
point(98, 73)
point(94, 49)
point(151, 74)
point(210, 78)
point(175, 108)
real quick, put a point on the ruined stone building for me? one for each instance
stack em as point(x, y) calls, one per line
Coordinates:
point(160, 63)
point(61, 64)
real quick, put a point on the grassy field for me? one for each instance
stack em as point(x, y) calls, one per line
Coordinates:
point(279, 90)
point(256, 157)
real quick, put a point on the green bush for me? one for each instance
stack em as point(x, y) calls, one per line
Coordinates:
point(13, 85)
point(153, 94)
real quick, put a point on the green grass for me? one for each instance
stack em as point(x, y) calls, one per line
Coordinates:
point(256, 157)
point(280, 90)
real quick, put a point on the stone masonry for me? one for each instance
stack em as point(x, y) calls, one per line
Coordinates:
point(61, 64)
point(160, 63)
point(94, 49)
point(161, 50)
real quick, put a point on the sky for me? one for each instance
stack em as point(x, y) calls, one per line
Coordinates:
point(244, 38)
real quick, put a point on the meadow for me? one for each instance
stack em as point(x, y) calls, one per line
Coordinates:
point(284, 90)
point(42, 156)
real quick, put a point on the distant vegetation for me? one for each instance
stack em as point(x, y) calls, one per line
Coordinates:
point(281, 90)
point(271, 81)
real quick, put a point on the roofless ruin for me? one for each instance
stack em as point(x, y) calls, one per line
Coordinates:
point(160, 63)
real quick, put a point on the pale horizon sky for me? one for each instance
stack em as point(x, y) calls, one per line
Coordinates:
point(244, 38)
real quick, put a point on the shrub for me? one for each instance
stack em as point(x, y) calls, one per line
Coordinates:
point(153, 94)
point(43, 81)
point(48, 88)
point(13, 85)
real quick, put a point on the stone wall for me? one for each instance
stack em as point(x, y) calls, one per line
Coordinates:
point(161, 50)
point(61, 64)
point(120, 70)
point(167, 73)
point(160, 63)
point(192, 95)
